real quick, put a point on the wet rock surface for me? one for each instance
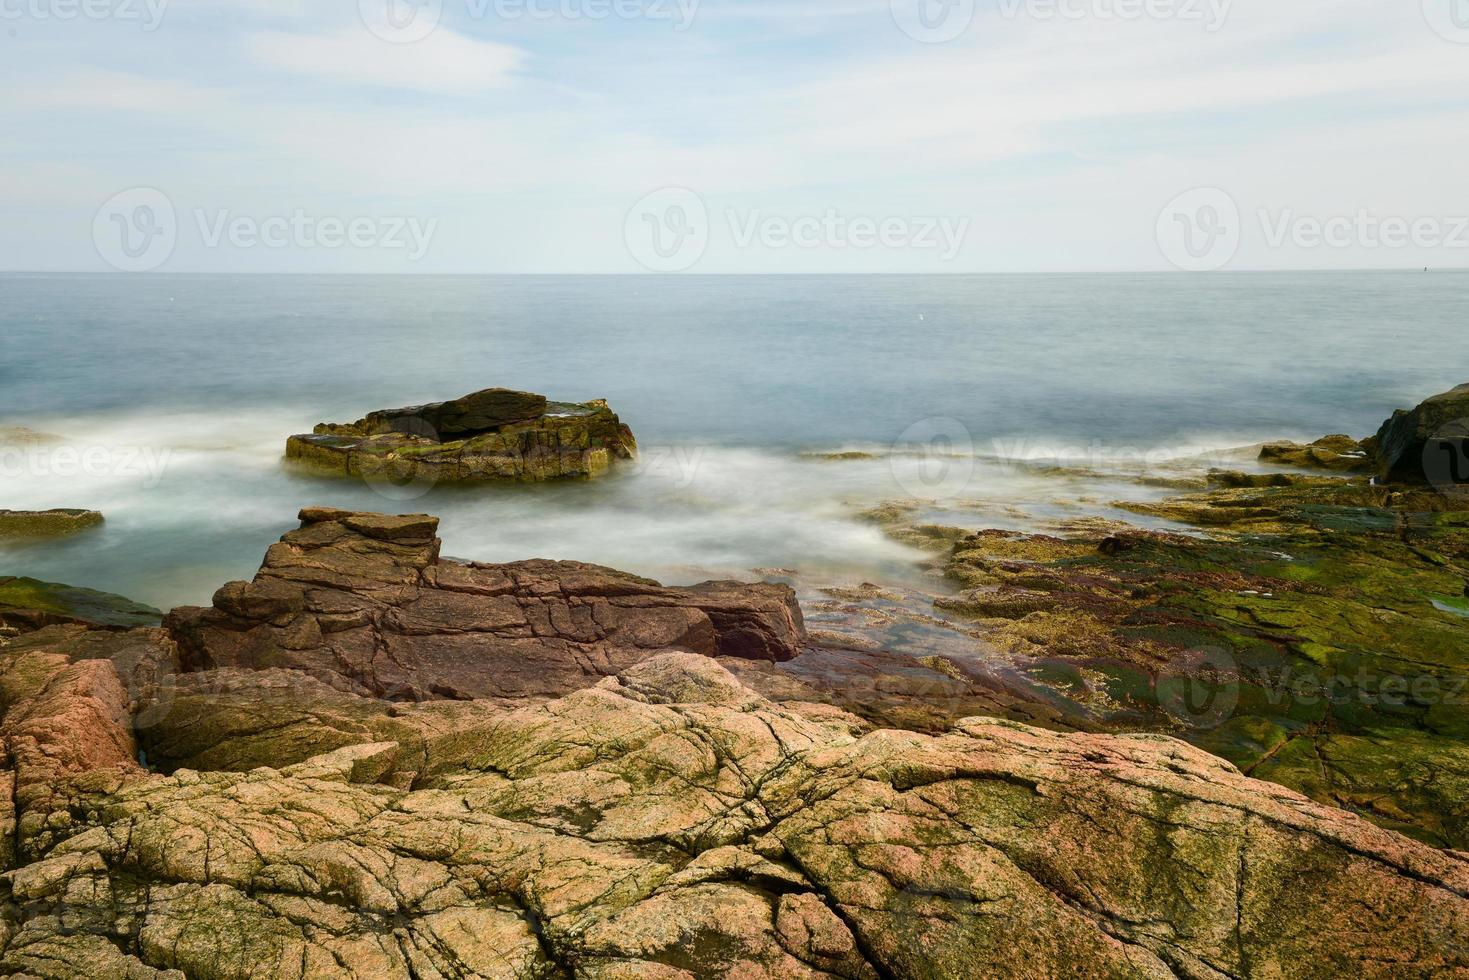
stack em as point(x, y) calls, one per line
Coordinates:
point(496, 434)
point(1316, 635)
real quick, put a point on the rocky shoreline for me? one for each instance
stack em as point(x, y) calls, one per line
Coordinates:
point(1234, 748)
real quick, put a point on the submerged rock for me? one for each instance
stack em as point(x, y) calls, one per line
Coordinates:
point(671, 823)
point(46, 523)
point(1429, 443)
point(365, 603)
point(496, 434)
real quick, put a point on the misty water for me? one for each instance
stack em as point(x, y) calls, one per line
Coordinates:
point(170, 398)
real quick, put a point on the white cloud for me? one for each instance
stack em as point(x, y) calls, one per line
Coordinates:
point(1061, 139)
point(117, 92)
point(442, 63)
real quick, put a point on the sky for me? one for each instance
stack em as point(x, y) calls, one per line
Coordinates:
point(733, 136)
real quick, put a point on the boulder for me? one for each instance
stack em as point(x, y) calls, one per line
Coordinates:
point(472, 415)
point(1429, 443)
point(365, 603)
point(667, 823)
point(59, 718)
point(46, 523)
point(490, 435)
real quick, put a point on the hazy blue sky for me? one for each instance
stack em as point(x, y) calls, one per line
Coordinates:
point(807, 135)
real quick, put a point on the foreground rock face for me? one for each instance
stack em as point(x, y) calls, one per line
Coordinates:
point(1431, 442)
point(669, 823)
point(496, 434)
point(364, 603)
point(46, 523)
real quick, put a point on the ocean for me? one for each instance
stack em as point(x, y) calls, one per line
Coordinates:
point(998, 401)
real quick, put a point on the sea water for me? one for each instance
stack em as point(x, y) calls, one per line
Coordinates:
point(165, 402)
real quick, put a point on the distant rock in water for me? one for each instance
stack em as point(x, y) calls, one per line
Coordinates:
point(46, 523)
point(496, 434)
point(1342, 453)
point(1429, 443)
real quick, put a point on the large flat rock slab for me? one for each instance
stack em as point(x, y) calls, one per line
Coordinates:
point(365, 603)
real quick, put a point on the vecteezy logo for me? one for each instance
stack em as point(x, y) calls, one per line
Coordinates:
point(1199, 688)
point(401, 21)
point(668, 230)
point(1448, 18)
point(933, 458)
point(1446, 458)
point(1199, 230)
point(933, 21)
point(136, 230)
point(402, 477)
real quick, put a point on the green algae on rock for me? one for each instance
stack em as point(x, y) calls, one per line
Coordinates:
point(1328, 453)
point(26, 603)
point(1310, 638)
point(46, 523)
point(495, 434)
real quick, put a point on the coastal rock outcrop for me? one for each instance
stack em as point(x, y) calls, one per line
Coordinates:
point(670, 823)
point(1430, 442)
point(1427, 444)
point(364, 603)
point(496, 434)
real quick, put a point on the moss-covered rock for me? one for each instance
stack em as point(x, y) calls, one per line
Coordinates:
point(46, 523)
point(491, 435)
point(26, 603)
point(1327, 453)
point(1312, 638)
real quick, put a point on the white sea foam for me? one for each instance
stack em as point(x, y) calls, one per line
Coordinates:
point(191, 495)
